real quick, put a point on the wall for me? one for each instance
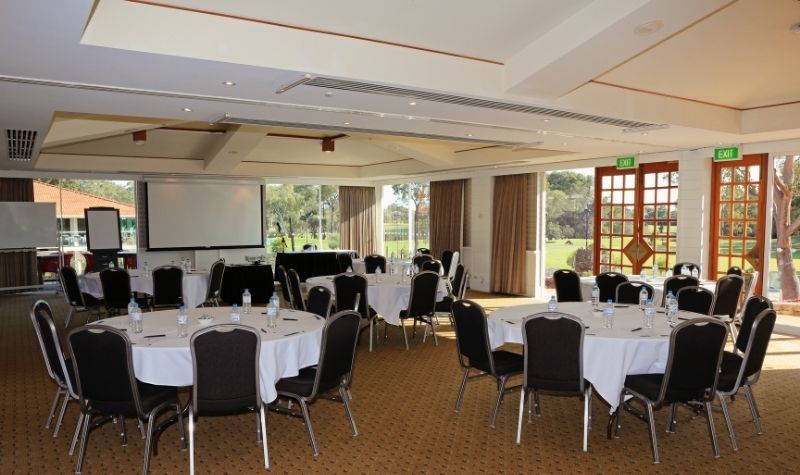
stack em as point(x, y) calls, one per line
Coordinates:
point(694, 202)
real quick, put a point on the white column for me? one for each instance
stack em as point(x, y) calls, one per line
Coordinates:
point(694, 209)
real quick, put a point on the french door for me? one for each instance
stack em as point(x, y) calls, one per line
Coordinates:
point(636, 217)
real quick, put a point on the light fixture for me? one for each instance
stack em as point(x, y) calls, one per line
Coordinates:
point(329, 94)
point(412, 103)
point(648, 28)
point(546, 120)
point(346, 123)
point(228, 83)
point(469, 135)
point(140, 137)
point(328, 145)
point(187, 109)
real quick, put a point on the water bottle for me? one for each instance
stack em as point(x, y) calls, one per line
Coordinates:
point(668, 300)
point(146, 269)
point(183, 322)
point(552, 305)
point(685, 270)
point(275, 300)
point(247, 302)
point(131, 306)
point(608, 314)
point(655, 269)
point(272, 314)
point(235, 317)
point(672, 310)
point(378, 274)
point(643, 297)
point(649, 311)
point(136, 316)
point(595, 296)
point(695, 273)
point(643, 275)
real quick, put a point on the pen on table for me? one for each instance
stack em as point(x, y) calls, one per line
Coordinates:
point(100, 321)
point(153, 336)
point(290, 334)
point(636, 329)
point(509, 321)
point(289, 319)
point(264, 331)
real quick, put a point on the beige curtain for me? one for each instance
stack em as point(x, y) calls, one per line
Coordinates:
point(509, 216)
point(357, 222)
point(17, 269)
point(446, 215)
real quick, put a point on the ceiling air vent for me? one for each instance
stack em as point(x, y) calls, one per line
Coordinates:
point(20, 144)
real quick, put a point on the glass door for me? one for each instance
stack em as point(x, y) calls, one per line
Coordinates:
point(615, 219)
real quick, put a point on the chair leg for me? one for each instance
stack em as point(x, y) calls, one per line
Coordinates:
point(619, 412)
point(500, 388)
point(370, 334)
point(348, 410)
point(712, 430)
point(751, 400)
point(87, 419)
point(148, 442)
point(405, 335)
point(191, 441)
point(309, 429)
point(672, 420)
point(651, 425)
point(53, 406)
point(728, 422)
point(69, 316)
point(461, 390)
point(734, 330)
point(181, 429)
point(76, 434)
point(264, 440)
point(60, 419)
point(123, 432)
point(587, 408)
point(537, 404)
point(433, 330)
point(522, 394)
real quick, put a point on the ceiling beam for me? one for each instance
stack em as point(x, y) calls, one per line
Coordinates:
point(232, 148)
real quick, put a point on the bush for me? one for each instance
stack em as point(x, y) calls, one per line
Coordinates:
point(581, 260)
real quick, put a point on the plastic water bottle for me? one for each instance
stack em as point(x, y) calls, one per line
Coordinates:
point(685, 270)
point(131, 306)
point(378, 274)
point(183, 322)
point(655, 269)
point(608, 314)
point(272, 314)
point(668, 300)
point(552, 305)
point(643, 297)
point(595, 296)
point(146, 269)
point(695, 273)
point(643, 275)
point(235, 317)
point(247, 302)
point(649, 311)
point(275, 300)
point(136, 316)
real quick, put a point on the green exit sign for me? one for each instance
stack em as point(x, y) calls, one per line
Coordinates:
point(626, 162)
point(726, 153)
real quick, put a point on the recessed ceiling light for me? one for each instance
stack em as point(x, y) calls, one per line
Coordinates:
point(644, 133)
point(381, 115)
point(469, 135)
point(546, 120)
point(347, 123)
point(229, 83)
point(648, 28)
point(412, 103)
point(329, 94)
point(411, 117)
point(187, 109)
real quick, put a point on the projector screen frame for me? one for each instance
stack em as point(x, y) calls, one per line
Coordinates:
point(149, 248)
point(87, 219)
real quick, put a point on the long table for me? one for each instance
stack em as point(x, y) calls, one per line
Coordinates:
point(312, 263)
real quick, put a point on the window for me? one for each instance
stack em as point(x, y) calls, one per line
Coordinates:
point(784, 285)
point(299, 215)
point(406, 214)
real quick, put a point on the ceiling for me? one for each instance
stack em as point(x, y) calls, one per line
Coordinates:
point(405, 88)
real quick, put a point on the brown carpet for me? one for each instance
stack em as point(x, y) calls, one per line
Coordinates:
point(403, 405)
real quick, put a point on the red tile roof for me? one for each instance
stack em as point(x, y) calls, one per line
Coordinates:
point(74, 202)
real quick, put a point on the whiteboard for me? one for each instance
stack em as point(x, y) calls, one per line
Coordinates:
point(27, 225)
point(204, 215)
point(102, 229)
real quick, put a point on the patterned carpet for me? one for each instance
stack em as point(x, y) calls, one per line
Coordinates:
point(403, 405)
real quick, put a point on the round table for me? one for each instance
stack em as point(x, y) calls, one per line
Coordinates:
point(608, 354)
point(388, 294)
point(195, 285)
point(167, 360)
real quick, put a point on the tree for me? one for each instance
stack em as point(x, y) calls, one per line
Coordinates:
point(416, 193)
point(119, 191)
point(783, 193)
point(568, 195)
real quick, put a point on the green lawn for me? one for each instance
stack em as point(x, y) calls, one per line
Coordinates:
point(558, 252)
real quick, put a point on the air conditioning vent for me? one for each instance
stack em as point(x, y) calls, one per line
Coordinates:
point(369, 88)
point(21, 144)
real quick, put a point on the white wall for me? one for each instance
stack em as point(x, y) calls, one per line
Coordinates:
point(480, 254)
point(694, 203)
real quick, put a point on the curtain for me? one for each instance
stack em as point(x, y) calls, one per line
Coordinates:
point(357, 222)
point(509, 219)
point(446, 215)
point(17, 269)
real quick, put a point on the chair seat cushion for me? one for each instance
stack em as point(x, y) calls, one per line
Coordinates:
point(224, 407)
point(151, 397)
point(505, 362)
point(303, 384)
point(91, 301)
point(559, 385)
point(649, 386)
point(729, 371)
point(445, 305)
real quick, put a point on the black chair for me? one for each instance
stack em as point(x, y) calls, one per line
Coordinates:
point(568, 285)
point(167, 287)
point(373, 262)
point(726, 300)
point(693, 362)
point(116, 285)
point(460, 282)
point(333, 371)
point(107, 388)
point(78, 301)
point(420, 259)
point(675, 283)
point(345, 262)
point(225, 365)
point(735, 270)
point(628, 292)
point(215, 276)
point(295, 292)
point(676, 269)
point(447, 259)
point(423, 250)
point(432, 265)
point(744, 371)
point(421, 305)
point(475, 353)
point(607, 282)
point(695, 299)
point(320, 301)
point(350, 290)
point(286, 293)
point(553, 345)
point(752, 307)
point(58, 367)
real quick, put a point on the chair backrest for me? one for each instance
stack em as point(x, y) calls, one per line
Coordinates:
point(101, 357)
point(607, 282)
point(167, 286)
point(45, 328)
point(72, 289)
point(295, 293)
point(447, 258)
point(347, 288)
point(675, 283)
point(757, 343)
point(695, 299)
point(432, 265)
point(676, 269)
point(215, 279)
point(338, 351)
point(459, 282)
point(628, 292)
point(568, 285)
point(422, 301)
point(726, 295)
point(280, 274)
point(752, 308)
point(116, 284)
point(735, 270)
point(345, 261)
point(423, 250)
point(695, 353)
point(750, 281)
point(418, 260)
point(553, 347)
point(450, 271)
point(373, 262)
point(225, 360)
point(319, 301)
point(472, 334)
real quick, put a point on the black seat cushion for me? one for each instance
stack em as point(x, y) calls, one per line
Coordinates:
point(225, 407)
point(92, 301)
point(729, 370)
point(505, 362)
point(445, 305)
point(560, 385)
point(150, 394)
point(303, 383)
point(649, 385)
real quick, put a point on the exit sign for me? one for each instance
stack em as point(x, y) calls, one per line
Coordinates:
point(626, 162)
point(726, 153)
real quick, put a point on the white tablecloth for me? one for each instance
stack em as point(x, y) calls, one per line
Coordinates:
point(608, 354)
point(195, 285)
point(387, 294)
point(167, 360)
point(658, 286)
point(360, 268)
